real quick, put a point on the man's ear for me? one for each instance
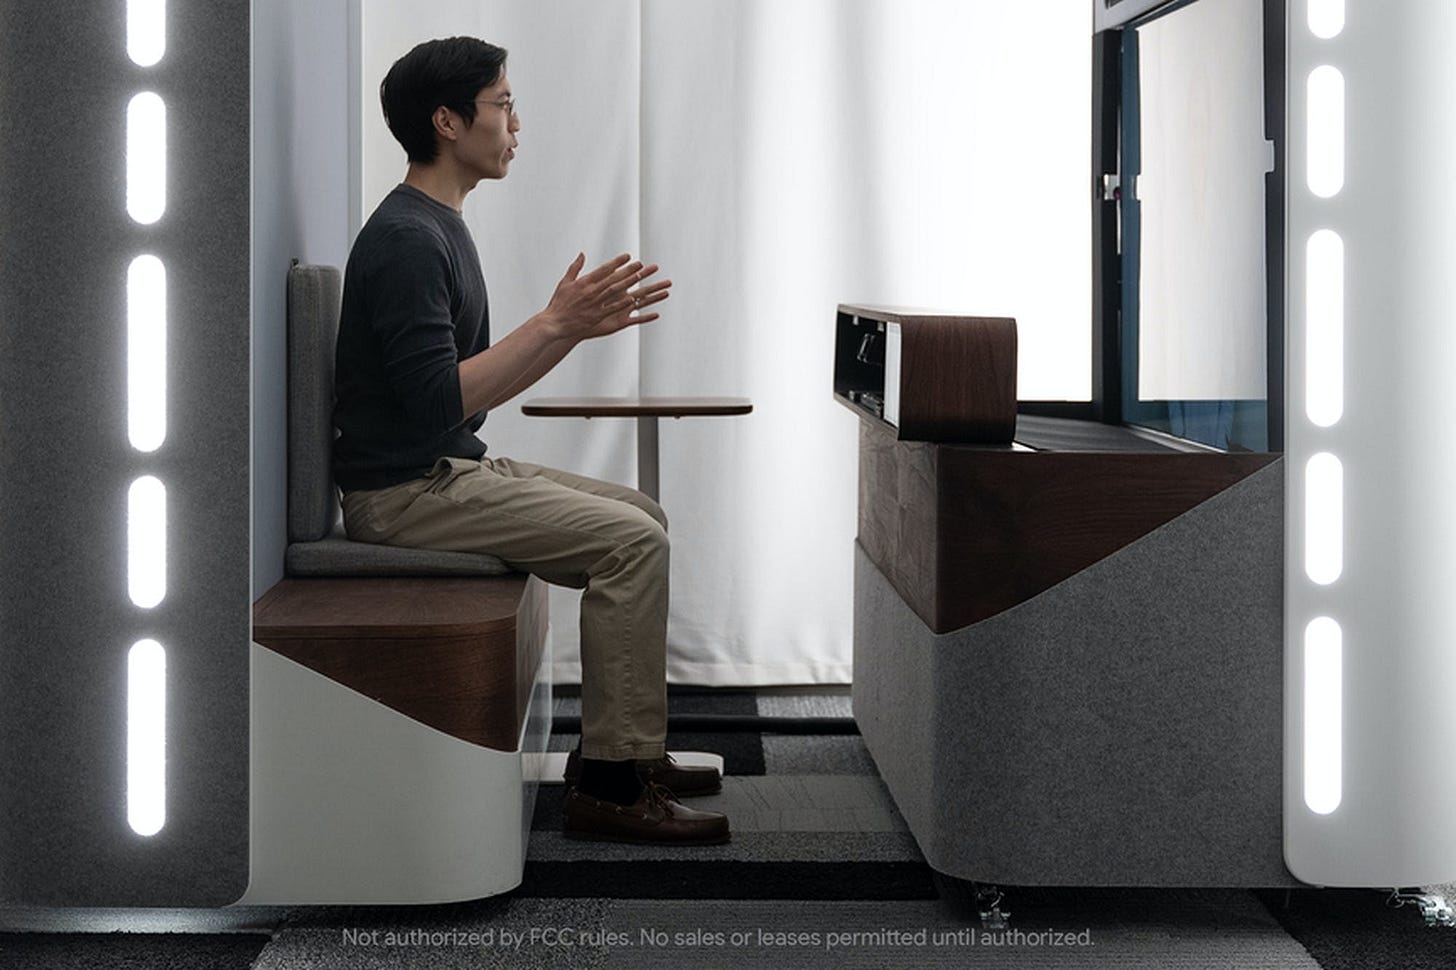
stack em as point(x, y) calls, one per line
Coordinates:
point(445, 123)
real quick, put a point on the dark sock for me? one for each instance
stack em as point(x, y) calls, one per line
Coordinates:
point(612, 781)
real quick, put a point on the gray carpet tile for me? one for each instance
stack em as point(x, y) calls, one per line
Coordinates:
point(905, 934)
point(802, 754)
point(562, 742)
point(87, 919)
point(745, 847)
point(440, 938)
point(130, 951)
point(817, 704)
point(1234, 931)
point(1444, 889)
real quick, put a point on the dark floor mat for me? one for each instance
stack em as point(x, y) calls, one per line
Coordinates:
point(742, 751)
point(718, 879)
point(1354, 929)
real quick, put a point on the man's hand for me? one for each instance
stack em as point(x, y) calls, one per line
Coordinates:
point(603, 301)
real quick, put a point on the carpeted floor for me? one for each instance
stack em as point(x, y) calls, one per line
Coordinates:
point(821, 872)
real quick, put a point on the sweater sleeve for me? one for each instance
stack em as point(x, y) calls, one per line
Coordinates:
point(411, 317)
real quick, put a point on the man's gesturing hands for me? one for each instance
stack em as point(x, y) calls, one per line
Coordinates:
point(604, 300)
point(609, 298)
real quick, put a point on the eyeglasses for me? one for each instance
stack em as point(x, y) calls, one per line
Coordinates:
point(508, 103)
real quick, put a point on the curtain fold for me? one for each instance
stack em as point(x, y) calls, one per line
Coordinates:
point(776, 157)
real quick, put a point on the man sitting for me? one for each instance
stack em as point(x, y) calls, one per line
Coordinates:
point(416, 373)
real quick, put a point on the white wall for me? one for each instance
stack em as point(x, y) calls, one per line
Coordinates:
point(301, 137)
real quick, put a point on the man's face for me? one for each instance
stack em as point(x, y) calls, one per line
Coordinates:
point(488, 145)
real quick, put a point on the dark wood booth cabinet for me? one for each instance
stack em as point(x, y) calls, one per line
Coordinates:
point(968, 509)
point(1067, 634)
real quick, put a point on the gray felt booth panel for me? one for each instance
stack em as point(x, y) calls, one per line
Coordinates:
point(317, 543)
point(1123, 728)
point(67, 621)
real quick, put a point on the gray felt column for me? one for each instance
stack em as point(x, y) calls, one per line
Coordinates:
point(66, 619)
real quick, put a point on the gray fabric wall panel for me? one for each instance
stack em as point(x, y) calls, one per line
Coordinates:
point(302, 105)
point(1122, 728)
point(66, 620)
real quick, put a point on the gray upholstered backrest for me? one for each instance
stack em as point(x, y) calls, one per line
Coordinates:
point(317, 545)
point(314, 293)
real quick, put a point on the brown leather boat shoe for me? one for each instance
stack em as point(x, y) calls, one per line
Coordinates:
point(654, 819)
point(682, 780)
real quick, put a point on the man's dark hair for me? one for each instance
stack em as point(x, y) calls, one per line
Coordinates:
point(447, 72)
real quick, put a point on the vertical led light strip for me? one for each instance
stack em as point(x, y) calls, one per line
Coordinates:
point(1326, 18)
point(146, 157)
point(146, 312)
point(1323, 715)
point(146, 353)
point(146, 737)
point(1324, 505)
point(1326, 159)
point(1324, 499)
point(146, 539)
point(1324, 322)
point(146, 31)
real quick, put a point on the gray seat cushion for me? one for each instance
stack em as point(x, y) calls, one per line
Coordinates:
point(317, 543)
point(336, 555)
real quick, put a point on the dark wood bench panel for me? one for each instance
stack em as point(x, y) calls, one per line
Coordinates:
point(965, 532)
point(457, 654)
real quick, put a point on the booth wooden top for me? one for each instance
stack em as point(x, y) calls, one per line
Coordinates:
point(635, 407)
point(395, 607)
point(457, 653)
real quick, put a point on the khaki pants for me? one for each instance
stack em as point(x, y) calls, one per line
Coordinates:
point(571, 531)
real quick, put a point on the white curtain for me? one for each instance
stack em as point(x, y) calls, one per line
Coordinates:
point(777, 157)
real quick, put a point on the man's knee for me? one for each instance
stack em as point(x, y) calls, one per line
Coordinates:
point(638, 546)
point(646, 539)
point(654, 538)
point(651, 507)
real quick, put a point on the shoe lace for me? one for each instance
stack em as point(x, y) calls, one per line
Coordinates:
point(660, 795)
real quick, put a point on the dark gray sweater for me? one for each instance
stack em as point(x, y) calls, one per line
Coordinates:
point(414, 306)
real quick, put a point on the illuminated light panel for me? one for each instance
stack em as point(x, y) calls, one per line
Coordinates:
point(1326, 144)
point(146, 353)
point(146, 737)
point(146, 538)
point(1324, 328)
point(1323, 714)
point(1326, 18)
point(146, 31)
point(146, 158)
point(1324, 511)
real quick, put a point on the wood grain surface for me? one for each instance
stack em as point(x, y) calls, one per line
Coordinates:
point(957, 376)
point(457, 654)
point(635, 407)
point(965, 532)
